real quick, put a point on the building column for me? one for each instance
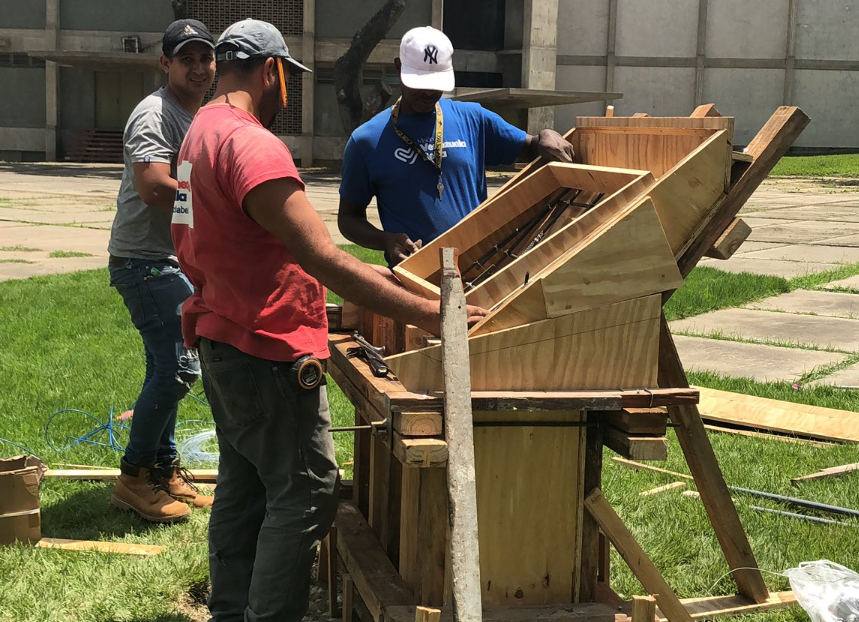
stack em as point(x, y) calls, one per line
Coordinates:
point(539, 56)
point(52, 79)
point(308, 86)
point(437, 14)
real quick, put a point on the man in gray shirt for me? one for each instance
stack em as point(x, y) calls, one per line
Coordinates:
point(143, 269)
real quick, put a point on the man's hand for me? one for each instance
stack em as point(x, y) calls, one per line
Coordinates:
point(398, 246)
point(552, 147)
point(475, 314)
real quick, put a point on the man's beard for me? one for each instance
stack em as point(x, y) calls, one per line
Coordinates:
point(271, 106)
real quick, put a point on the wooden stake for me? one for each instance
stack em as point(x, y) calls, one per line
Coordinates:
point(459, 434)
point(348, 595)
point(665, 488)
point(643, 609)
point(332, 572)
point(609, 111)
point(427, 614)
point(826, 473)
point(123, 548)
point(638, 561)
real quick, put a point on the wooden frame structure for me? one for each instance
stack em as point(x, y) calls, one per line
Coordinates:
point(672, 188)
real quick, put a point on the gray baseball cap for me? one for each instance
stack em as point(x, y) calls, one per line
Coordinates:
point(253, 38)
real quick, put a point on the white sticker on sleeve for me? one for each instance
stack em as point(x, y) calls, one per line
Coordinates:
point(183, 206)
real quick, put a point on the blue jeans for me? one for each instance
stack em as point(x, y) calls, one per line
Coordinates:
point(153, 292)
point(277, 486)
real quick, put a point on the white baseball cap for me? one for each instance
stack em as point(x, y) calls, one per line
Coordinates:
point(426, 55)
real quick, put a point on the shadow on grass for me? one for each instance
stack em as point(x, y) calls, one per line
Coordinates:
point(86, 514)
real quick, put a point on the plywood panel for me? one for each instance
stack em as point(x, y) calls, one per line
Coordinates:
point(508, 280)
point(527, 555)
point(604, 348)
point(685, 194)
point(629, 258)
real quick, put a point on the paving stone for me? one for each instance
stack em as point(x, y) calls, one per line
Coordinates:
point(772, 267)
point(849, 283)
point(847, 240)
point(847, 377)
point(766, 221)
point(809, 253)
point(50, 266)
point(750, 360)
point(830, 304)
point(55, 238)
point(48, 217)
point(797, 231)
point(751, 247)
point(787, 328)
point(836, 212)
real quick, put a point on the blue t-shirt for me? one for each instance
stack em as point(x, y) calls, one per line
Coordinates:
point(378, 163)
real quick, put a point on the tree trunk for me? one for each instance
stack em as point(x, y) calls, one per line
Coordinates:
point(347, 69)
point(180, 9)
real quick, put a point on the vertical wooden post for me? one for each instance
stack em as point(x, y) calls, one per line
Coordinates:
point(361, 466)
point(643, 609)
point(427, 614)
point(332, 572)
point(348, 604)
point(459, 434)
point(701, 51)
point(590, 566)
point(423, 533)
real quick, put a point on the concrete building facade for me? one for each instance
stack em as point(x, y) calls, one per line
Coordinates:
point(71, 65)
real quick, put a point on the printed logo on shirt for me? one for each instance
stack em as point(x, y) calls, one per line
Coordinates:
point(183, 206)
point(404, 154)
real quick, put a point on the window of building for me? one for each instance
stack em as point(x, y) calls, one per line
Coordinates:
point(22, 61)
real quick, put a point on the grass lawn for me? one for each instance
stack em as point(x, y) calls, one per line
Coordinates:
point(66, 342)
point(846, 165)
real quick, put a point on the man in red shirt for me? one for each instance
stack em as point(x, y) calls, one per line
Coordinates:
point(258, 255)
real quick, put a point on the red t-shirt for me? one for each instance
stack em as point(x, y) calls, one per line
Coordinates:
point(248, 289)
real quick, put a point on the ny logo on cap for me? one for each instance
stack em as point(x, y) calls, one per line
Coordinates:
point(431, 55)
point(189, 30)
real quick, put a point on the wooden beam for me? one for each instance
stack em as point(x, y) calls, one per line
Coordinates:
point(706, 110)
point(423, 534)
point(637, 466)
point(122, 548)
point(649, 421)
point(373, 574)
point(418, 424)
point(202, 476)
point(348, 602)
point(422, 452)
point(635, 447)
point(632, 553)
point(837, 471)
point(459, 434)
point(643, 609)
point(730, 240)
point(427, 614)
point(708, 476)
point(767, 147)
point(591, 563)
point(332, 567)
point(661, 489)
point(717, 606)
point(765, 435)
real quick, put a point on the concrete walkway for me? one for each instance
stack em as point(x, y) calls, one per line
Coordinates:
point(57, 217)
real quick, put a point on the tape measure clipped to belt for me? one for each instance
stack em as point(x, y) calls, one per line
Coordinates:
point(309, 372)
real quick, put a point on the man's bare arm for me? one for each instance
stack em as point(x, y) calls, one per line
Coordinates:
point(548, 145)
point(281, 207)
point(353, 224)
point(155, 185)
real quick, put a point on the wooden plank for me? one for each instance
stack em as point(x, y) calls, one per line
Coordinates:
point(350, 316)
point(837, 471)
point(661, 489)
point(361, 462)
point(705, 110)
point(635, 447)
point(653, 469)
point(708, 476)
point(203, 476)
point(590, 563)
point(643, 609)
point(649, 421)
point(333, 570)
point(517, 568)
point(536, 356)
point(418, 423)
point(335, 316)
point(689, 123)
point(766, 435)
point(458, 432)
point(768, 146)
point(504, 401)
point(348, 606)
point(768, 414)
point(717, 606)
point(421, 453)
point(632, 553)
point(581, 612)
point(742, 156)
point(424, 534)
point(427, 614)
point(380, 474)
point(375, 577)
point(322, 562)
point(730, 240)
point(627, 258)
point(98, 546)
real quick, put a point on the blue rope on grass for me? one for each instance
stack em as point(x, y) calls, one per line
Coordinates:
point(21, 447)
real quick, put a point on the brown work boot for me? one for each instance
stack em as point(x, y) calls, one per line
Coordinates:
point(179, 484)
point(139, 489)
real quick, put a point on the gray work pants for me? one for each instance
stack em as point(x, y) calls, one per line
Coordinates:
point(277, 486)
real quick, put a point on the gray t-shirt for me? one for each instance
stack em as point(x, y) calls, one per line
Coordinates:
point(154, 133)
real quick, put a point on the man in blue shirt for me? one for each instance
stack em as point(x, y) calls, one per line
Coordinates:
point(425, 159)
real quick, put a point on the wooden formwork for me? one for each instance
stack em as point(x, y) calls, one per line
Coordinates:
point(575, 355)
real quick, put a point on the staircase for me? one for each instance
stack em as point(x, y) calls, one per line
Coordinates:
point(95, 145)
